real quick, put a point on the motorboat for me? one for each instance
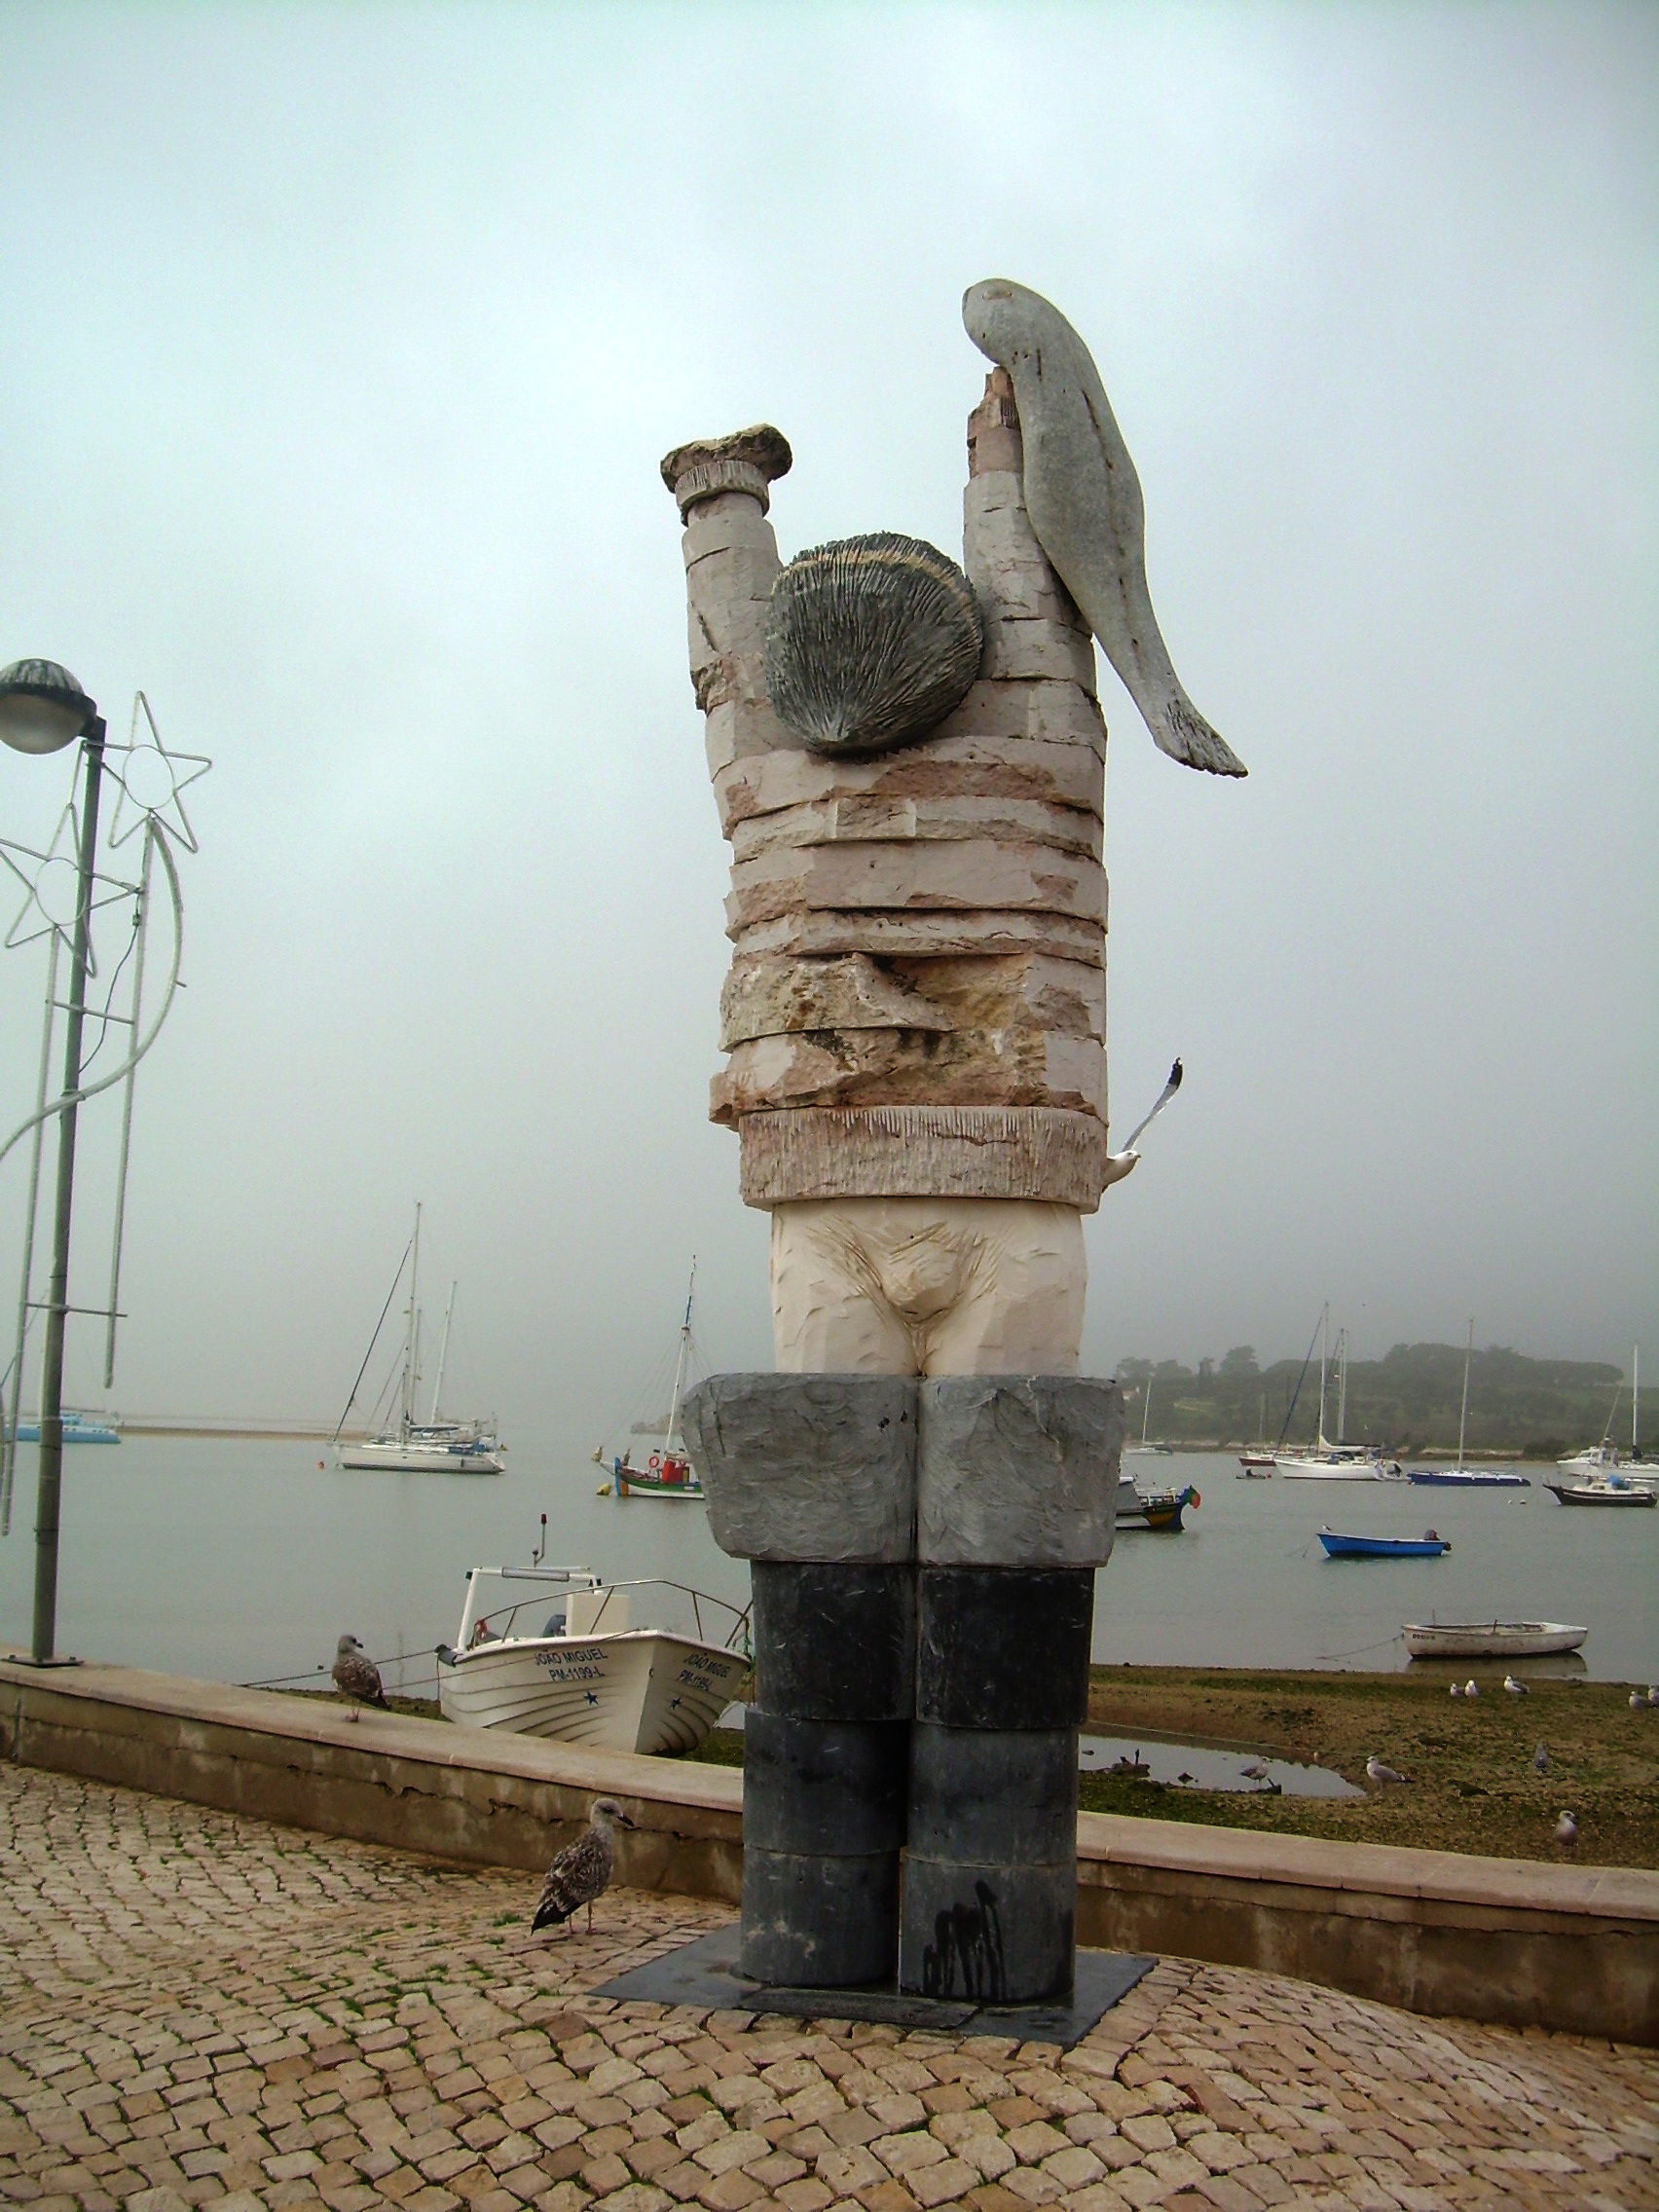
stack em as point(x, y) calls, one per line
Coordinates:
point(667, 1470)
point(408, 1445)
point(1596, 1490)
point(1489, 1639)
point(1426, 1546)
point(1256, 1466)
point(552, 1652)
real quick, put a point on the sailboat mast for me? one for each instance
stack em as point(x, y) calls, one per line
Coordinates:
point(1635, 1399)
point(1324, 1364)
point(1145, 1406)
point(443, 1356)
point(1342, 1385)
point(406, 1397)
point(679, 1362)
point(1463, 1416)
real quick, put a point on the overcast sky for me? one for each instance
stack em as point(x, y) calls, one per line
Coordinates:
point(339, 348)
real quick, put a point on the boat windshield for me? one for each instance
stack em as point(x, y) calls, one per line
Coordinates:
point(605, 1609)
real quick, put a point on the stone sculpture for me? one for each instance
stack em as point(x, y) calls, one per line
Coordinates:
point(915, 1027)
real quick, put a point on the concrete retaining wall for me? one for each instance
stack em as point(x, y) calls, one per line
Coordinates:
point(1567, 1947)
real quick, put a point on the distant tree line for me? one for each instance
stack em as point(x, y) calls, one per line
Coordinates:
point(1408, 1400)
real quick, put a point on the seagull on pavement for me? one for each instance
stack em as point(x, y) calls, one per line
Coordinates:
point(1382, 1774)
point(356, 1677)
point(1515, 1688)
point(1566, 1831)
point(582, 1870)
point(1540, 1760)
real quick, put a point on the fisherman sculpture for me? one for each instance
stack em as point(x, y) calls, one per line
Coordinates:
point(909, 761)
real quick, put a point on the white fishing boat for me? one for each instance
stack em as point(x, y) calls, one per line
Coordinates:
point(552, 1652)
point(1489, 1639)
point(408, 1445)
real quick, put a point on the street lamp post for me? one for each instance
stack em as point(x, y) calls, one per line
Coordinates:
point(42, 709)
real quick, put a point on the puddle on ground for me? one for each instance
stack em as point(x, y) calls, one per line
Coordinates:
point(1187, 1765)
point(1210, 1766)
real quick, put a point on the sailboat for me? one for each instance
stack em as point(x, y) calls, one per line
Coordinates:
point(1163, 1451)
point(409, 1444)
point(667, 1471)
point(1462, 1477)
point(1323, 1461)
point(1603, 1462)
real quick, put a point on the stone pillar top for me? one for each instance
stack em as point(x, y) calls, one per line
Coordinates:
point(747, 461)
point(993, 429)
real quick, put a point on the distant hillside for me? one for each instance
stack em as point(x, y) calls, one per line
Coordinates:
point(1409, 1399)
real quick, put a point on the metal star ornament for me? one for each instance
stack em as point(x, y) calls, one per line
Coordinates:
point(52, 887)
point(151, 780)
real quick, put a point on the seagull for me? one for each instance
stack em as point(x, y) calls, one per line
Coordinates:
point(1540, 1760)
point(1256, 1773)
point(1638, 1703)
point(1653, 1694)
point(581, 1872)
point(356, 1677)
point(1515, 1688)
point(1566, 1831)
point(1379, 1773)
point(1456, 1689)
point(1471, 1689)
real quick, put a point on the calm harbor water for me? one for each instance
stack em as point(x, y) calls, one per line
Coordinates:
point(241, 1559)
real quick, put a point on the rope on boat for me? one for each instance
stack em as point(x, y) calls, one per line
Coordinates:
point(1361, 1648)
point(277, 1681)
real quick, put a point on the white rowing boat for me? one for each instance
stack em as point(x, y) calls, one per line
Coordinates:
point(1490, 1640)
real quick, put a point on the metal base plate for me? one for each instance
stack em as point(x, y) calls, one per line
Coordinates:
point(28, 1659)
point(704, 1974)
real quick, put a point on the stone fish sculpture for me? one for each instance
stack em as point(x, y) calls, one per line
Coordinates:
point(872, 641)
point(1085, 503)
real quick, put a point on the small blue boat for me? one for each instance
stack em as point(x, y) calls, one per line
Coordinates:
point(1426, 1546)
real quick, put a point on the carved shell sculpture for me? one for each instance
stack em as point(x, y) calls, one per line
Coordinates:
point(872, 641)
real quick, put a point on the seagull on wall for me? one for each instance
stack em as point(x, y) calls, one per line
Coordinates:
point(581, 1872)
point(356, 1677)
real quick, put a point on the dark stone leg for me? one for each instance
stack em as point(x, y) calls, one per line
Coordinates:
point(825, 1773)
point(991, 1873)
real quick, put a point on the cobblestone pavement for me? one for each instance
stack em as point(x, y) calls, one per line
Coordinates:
point(198, 2010)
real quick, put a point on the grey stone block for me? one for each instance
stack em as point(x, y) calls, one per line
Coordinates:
point(824, 1787)
point(994, 1795)
point(819, 1922)
point(832, 1642)
point(1001, 1935)
point(1017, 1470)
point(807, 1466)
